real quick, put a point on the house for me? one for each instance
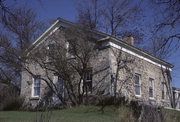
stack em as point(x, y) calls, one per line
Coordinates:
point(144, 82)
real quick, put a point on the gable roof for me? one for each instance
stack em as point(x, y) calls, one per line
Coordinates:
point(104, 37)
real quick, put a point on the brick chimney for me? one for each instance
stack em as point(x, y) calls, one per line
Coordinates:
point(129, 40)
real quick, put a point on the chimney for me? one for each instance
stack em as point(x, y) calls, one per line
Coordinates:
point(129, 40)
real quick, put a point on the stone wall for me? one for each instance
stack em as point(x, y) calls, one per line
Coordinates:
point(103, 65)
point(146, 70)
point(99, 63)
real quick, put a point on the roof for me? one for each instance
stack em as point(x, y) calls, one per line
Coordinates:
point(176, 89)
point(61, 22)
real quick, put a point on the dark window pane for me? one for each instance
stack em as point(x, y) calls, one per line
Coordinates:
point(137, 90)
point(37, 83)
point(137, 84)
point(137, 79)
point(150, 92)
point(88, 80)
point(162, 94)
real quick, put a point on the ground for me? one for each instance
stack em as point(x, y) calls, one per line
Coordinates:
point(78, 114)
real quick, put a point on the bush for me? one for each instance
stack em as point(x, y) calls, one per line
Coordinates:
point(12, 103)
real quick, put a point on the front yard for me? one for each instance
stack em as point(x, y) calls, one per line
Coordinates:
point(78, 114)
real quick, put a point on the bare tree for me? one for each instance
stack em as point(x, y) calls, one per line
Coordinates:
point(166, 34)
point(19, 29)
point(89, 13)
point(112, 16)
point(168, 85)
point(69, 58)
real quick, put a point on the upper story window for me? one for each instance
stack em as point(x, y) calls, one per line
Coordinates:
point(36, 86)
point(163, 90)
point(137, 84)
point(88, 80)
point(151, 88)
point(71, 46)
point(51, 50)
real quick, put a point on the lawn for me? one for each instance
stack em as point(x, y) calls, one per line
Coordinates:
point(78, 114)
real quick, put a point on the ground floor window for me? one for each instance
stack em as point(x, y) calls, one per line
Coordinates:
point(163, 90)
point(88, 80)
point(137, 84)
point(37, 86)
point(151, 88)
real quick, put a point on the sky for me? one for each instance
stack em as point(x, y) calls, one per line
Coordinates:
point(48, 10)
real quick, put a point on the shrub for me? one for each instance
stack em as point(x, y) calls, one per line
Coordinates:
point(12, 103)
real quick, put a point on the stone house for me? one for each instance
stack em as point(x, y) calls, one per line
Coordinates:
point(146, 84)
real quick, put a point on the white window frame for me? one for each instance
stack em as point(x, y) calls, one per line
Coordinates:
point(32, 93)
point(153, 90)
point(138, 95)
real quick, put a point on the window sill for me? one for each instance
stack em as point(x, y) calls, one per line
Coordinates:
point(34, 98)
point(152, 98)
point(138, 96)
point(163, 100)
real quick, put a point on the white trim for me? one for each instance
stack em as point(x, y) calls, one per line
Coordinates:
point(45, 32)
point(135, 54)
point(44, 37)
point(32, 88)
point(47, 36)
point(172, 108)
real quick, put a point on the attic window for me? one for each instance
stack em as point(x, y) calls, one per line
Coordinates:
point(51, 50)
point(72, 46)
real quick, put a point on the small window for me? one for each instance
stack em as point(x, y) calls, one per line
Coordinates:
point(137, 84)
point(88, 81)
point(163, 90)
point(72, 46)
point(37, 86)
point(51, 50)
point(151, 88)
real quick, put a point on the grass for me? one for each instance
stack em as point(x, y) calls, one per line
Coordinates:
point(79, 114)
point(172, 115)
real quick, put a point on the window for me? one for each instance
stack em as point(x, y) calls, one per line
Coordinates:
point(179, 100)
point(36, 86)
point(163, 90)
point(151, 88)
point(51, 50)
point(88, 81)
point(72, 46)
point(137, 85)
point(59, 84)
